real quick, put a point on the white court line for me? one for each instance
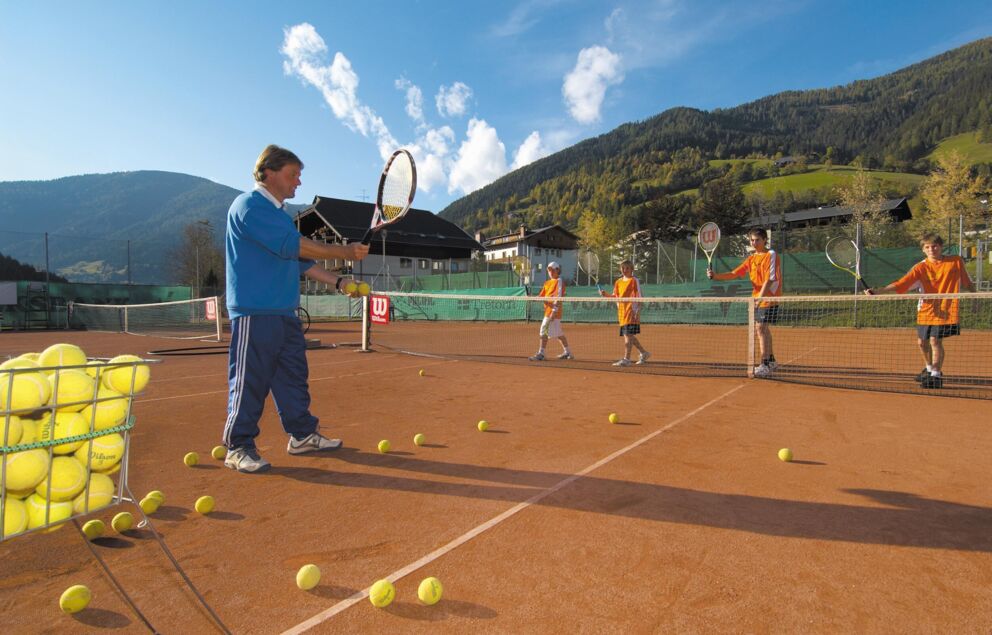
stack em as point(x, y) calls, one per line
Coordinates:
point(358, 596)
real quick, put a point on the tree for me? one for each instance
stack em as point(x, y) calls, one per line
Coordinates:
point(197, 258)
point(952, 191)
point(722, 201)
point(861, 194)
point(595, 231)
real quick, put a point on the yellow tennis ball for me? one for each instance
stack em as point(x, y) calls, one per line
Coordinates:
point(382, 593)
point(149, 505)
point(19, 362)
point(30, 391)
point(119, 378)
point(364, 288)
point(67, 424)
point(94, 528)
point(75, 599)
point(483, 425)
point(430, 591)
point(72, 390)
point(25, 469)
point(219, 452)
point(111, 409)
point(191, 459)
point(384, 446)
point(29, 429)
point(122, 522)
point(422, 373)
point(19, 494)
point(32, 356)
point(102, 452)
point(419, 439)
point(308, 576)
point(97, 494)
point(113, 470)
point(57, 512)
point(62, 355)
point(93, 368)
point(614, 418)
point(785, 454)
point(66, 478)
point(351, 288)
point(204, 504)
point(15, 516)
point(12, 430)
point(157, 495)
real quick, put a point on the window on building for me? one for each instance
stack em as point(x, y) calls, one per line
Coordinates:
point(406, 263)
point(537, 252)
point(423, 263)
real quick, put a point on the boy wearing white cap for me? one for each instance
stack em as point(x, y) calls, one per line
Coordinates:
point(551, 324)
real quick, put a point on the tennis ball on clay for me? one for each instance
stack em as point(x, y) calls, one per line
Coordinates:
point(15, 516)
point(364, 288)
point(122, 522)
point(382, 593)
point(204, 504)
point(422, 373)
point(419, 439)
point(384, 446)
point(351, 288)
point(308, 576)
point(430, 591)
point(614, 418)
point(119, 378)
point(62, 355)
point(75, 599)
point(785, 454)
point(94, 528)
point(149, 505)
point(483, 425)
point(191, 459)
point(219, 452)
point(157, 495)
point(30, 391)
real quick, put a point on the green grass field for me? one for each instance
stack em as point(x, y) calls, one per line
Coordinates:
point(822, 176)
point(756, 162)
point(967, 144)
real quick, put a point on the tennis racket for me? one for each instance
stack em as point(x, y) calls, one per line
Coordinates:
point(707, 239)
point(844, 254)
point(589, 264)
point(397, 185)
point(521, 267)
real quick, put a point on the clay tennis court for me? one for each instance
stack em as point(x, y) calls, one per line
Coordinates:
point(679, 519)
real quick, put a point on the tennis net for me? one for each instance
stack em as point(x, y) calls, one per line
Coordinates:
point(862, 342)
point(186, 319)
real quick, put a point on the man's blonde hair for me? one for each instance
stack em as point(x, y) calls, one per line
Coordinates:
point(274, 158)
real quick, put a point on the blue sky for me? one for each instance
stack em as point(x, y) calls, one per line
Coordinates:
point(475, 89)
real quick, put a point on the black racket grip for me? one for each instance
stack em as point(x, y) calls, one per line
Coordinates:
point(368, 237)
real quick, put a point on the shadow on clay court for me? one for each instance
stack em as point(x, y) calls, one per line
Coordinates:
point(111, 542)
point(101, 618)
point(170, 512)
point(907, 519)
point(331, 592)
point(441, 611)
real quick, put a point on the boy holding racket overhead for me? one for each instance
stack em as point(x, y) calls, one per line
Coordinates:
point(936, 319)
point(628, 313)
point(554, 287)
point(764, 269)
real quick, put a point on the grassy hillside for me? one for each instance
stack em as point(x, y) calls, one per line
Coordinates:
point(821, 177)
point(969, 147)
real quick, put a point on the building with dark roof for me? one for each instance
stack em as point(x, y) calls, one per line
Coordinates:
point(553, 243)
point(898, 209)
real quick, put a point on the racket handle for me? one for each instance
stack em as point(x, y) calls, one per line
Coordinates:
point(368, 237)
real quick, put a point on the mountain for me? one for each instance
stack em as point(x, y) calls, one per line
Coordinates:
point(891, 121)
point(90, 219)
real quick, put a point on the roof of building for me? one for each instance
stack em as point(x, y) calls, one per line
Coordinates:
point(530, 235)
point(898, 207)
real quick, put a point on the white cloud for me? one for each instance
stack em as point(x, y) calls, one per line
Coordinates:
point(529, 151)
point(453, 101)
point(585, 85)
point(414, 99)
point(481, 159)
point(431, 154)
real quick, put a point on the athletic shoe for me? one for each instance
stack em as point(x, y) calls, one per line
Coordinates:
point(933, 381)
point(643, 358)
point(923, 374)
point(762, 371)
point(313, 443)
point(622, 362)
point(771, 364)
point(537, 358)
point(566, 356)
point(246, 460)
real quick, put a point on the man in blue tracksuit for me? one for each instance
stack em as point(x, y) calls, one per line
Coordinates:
point(265, 257)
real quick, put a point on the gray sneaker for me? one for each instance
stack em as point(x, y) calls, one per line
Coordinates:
point(246, 460)
point(315, 442)
point(643, 358)
point(566, 356)
point(537, 358)
point(622, 362)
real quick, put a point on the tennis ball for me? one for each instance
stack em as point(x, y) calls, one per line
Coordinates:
point(19, 494)
point(483, 425)
point(93, 368)
point(102, 452)
point(67, 424)
point(191, 459)
point(113, 470)
point(66, 478)
point(26, 469)
point(30, 430)
point(308, 577)
point(381, 593)
point(57, 512)
point(15, 516)
point(364, 288)
point(219, 452)
point(204, 504)
point(61, 355)
point(19, 362)
point(72, 390)
point(30, 391)
point(122, 522)
point(119, 378)
point(430, 591)
point(384, 446)
point(149, 505)
point(94, 528)
point(12, 431)
point(75, 599)
point(614, 418)
point(785, 454)
point(419, 439)
point(157, 495)
point(422, 373)
point(32, 356)
point(99, 493)
point(111, 409)
point(351, 288)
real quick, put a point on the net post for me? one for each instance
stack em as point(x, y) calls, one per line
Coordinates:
point(218, 318)
point(366, 335)
point(751, 334)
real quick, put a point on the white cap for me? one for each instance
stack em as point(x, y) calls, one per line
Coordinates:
point(554, 265)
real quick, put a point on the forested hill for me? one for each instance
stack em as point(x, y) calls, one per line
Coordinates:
point(891, 121)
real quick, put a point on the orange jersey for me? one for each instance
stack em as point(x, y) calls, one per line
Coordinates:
point(760, 267)
point(553, 289)
point(628, 312)
point(942, 276)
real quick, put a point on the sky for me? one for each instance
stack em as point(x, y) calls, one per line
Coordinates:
point(474, 90)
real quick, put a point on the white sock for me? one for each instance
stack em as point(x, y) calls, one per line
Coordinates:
point(935, 373)
point(929, 368)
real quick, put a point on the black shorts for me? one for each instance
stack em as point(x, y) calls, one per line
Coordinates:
point(630, 329)
point(939, 331)
point(766, 314)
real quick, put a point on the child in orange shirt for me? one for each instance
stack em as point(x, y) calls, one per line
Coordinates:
point(629, 313)
point(554, 287)
point(936, 319)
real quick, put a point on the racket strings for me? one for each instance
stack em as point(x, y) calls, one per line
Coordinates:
point(397, 189)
